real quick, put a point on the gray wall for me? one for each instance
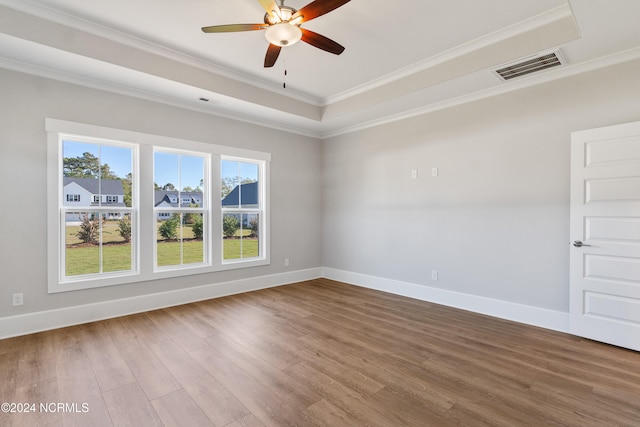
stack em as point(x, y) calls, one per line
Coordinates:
point(26, 100)
point(495, 222)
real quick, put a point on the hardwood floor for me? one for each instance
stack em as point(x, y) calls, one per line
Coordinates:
point(316, 353)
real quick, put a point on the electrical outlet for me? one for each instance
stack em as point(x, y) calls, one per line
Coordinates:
point(286, 262)
point(18, 299)
point(434, 171)
point(414, 174)
point(434, 275)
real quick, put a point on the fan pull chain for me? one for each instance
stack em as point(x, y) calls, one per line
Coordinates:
point(284, 79)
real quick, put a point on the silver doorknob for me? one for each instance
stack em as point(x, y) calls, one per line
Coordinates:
point(579, 244)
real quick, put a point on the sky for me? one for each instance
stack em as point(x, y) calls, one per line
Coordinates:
point(180, 170)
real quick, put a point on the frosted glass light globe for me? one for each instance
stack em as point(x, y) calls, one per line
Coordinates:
point(283, 34)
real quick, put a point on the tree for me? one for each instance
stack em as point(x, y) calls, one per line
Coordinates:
point(198, 227)
point(126, 187)
point(230, 224)
point(169, 228)
point(227, 185)
point(86, 166)
point(124, 228)
point(253, 226)
point(89, 229)
point(105, 172)
point(169, 187)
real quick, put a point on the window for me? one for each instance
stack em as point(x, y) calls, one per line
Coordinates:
point(181, 226)
point(96, 240)
point(241, 209)
point(127, 207)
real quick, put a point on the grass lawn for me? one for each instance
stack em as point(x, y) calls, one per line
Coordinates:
point(116, 254)
point(169, 252)
point(233, 249)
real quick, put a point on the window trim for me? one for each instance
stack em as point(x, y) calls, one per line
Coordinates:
point(205, 210)
point(260, 210)
point(145, 232)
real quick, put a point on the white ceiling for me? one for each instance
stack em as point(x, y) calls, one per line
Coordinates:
point(422, 56)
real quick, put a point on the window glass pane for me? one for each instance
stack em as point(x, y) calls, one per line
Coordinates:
point(95, 174)
point(80, 170)
point(248, 185)
point(229, 181)
point(192, 243)
point(239, 184)
point(168, 239)
point(191, 180)
point(165, 172)
point(231, 243)
point(249, 235)
point(82, 250)
point(241, 235)
point(116, 173)
point(116, 243)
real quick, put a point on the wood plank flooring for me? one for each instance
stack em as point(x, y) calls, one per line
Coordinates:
point(317, 353)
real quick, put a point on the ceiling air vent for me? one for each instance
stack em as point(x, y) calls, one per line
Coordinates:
point(530, 65)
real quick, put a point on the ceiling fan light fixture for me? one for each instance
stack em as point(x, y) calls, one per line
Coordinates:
point(283, 34)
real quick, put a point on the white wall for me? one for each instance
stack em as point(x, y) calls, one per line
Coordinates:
point(495, 222)
point(25, 102)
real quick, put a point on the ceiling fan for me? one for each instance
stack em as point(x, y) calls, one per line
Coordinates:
point(283, 27)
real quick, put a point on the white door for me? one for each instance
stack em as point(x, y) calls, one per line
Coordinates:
point(605, 235)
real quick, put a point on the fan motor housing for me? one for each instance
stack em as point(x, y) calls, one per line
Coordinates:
point(286, 13)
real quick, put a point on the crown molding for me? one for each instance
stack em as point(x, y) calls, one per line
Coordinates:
point(506, 87)
point(44, 12)
point(540, 20)
point(217, 109)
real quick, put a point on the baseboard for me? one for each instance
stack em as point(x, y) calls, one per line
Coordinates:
point(530, 315)
point(28, 323)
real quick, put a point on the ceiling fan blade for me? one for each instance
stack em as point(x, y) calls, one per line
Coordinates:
point(272, 55)
point(271, 7)
point(232, 28)
point(321, 42)
point(317, 8)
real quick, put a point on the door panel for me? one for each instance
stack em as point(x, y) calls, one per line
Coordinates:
point(613, 189)
point(610, 229)
point(605, 217)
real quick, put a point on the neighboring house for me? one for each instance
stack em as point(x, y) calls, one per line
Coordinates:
point(175, 199)
point(245, 193)
point(87, 192)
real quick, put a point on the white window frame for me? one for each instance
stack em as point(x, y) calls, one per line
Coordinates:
point(205, 210)
point(260, 211)
point(145, 219)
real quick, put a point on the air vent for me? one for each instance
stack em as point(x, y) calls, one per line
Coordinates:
point(530, 65)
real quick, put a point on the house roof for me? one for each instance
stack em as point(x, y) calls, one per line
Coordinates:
point(97, 186)
point(248, 193)
point(165, 196)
